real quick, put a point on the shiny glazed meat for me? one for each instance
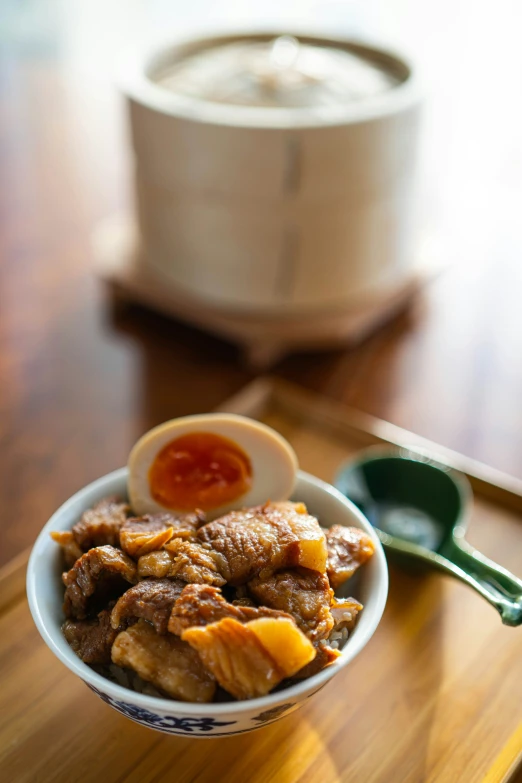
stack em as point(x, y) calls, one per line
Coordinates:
point(261, 540)
point(151, 600)
point(92, 640)
point(165, 661)
point(203, 604)
point(250, 659)
point(244, 601)
point(97, 526)
point(193, 562)
point(304, 594)
point(101, 574)
point(186, 560)
point(348, 548)
point(71, 550)
point(155, 564)
point(140, 535)
point(324, 656)
point(101, 525)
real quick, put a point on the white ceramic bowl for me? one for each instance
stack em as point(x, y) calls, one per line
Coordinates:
point(45, 594)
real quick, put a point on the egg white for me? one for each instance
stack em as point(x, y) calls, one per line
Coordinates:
point(274, 463)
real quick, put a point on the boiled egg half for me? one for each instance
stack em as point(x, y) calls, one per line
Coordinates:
point(214, 462)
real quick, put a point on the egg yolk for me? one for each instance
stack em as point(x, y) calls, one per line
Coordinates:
point(199, 470)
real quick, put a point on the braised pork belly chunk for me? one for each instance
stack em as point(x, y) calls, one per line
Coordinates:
point(97, 526)
point(259, 541)
point(98, 575)
point(71, 550)
point(304, 594)
point(245, 602)
point(324, 656)
point(92, 640)
point(156, 564)
point(101, 525)
point(186, 560)
point(165, 661)
point(348, 548)
point(140, 535)
point(151, 600)
point(195, 562)
point(203, 604)
point(250, 659)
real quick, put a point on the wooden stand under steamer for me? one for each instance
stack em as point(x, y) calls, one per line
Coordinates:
point(279, 229)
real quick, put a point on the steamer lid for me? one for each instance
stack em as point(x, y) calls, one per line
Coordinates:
point(278, 72)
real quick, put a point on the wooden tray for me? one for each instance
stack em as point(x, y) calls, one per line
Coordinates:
point(435, 696)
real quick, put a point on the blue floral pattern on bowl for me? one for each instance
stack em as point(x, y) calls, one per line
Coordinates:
point(170, 724)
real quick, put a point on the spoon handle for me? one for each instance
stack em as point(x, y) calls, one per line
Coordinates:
point(502, 589)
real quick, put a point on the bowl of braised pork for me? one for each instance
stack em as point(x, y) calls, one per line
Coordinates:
point(215, 620)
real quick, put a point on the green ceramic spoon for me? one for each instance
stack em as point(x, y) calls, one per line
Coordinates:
point(420, 510)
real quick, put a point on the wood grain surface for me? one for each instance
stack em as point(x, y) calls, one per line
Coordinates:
point(80, 382)
point(435, 696)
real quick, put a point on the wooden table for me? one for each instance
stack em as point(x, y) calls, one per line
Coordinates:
point(79, 383)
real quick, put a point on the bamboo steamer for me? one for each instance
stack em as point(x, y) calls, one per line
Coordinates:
point(275, 209)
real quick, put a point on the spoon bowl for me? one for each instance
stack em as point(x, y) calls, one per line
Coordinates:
point(420, 509)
